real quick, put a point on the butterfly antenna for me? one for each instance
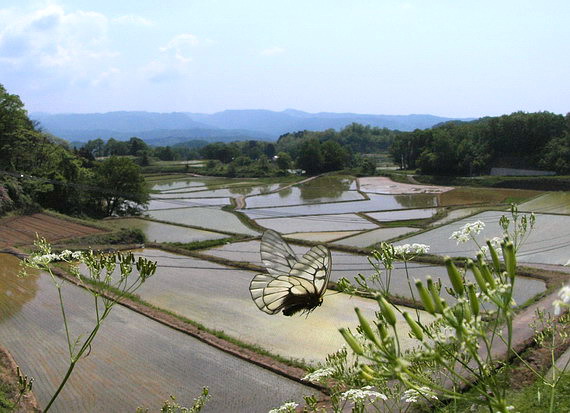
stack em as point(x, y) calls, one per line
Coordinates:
point(332, 293)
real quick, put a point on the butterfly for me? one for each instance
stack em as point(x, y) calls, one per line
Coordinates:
point(291, 284)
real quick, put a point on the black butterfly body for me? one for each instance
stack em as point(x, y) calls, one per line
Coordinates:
point(291, 284)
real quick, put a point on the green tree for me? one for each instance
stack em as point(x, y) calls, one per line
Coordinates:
point(122, 189)
point(335, 157)
point(310, 156)
point(283, 160)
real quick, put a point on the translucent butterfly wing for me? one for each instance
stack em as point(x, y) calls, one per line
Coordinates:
point(315, 267)
point(276, 254)
point(273, 294)
point(291, 284)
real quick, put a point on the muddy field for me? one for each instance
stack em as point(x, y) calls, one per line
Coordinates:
point(22, 230)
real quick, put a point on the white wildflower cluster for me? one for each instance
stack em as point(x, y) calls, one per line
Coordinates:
point(413, 395)
point(467, 231)
point(317, 375)
point(288, 407)
point(564, 301)
point(362, 395)
point(410, 249)
point(45, 259)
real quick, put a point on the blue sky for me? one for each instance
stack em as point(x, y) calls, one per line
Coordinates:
point(443, 57)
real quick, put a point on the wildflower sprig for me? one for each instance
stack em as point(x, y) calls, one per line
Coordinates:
point(453, 342)
point(110, 289)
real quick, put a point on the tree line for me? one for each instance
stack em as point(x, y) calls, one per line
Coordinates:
point(39, 170)
point(538, 140)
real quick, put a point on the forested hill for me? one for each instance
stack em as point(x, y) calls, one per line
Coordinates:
point(538, 140)
point(222, 126)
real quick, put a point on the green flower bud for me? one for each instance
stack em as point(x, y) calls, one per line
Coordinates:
point(473, 300)
point(494, 256)
point(434, 295)
point(351, 341)
point(510, 258)
point(488, 276)
point(387, 311)
point(383, 331)
point(478, 276)
point(415, 327)
point(366, 329)
point(425, 297)
point(454, 276)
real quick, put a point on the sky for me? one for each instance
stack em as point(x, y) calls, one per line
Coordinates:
point(456, 58)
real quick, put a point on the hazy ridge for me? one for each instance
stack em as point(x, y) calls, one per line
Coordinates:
point(226, 125)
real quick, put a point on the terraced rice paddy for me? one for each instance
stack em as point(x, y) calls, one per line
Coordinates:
point(403, 215)
point(210, 218)
point(156, 204)
point(550, 203)
point(375, 203)
point(548, 245)
point(320, 223)
point(158, 232)
point(368, 238)
point(218, 297)
point(134, 361)
point(349, 265)
point(20, 230)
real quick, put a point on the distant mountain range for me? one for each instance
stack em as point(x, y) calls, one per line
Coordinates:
point(171, 128)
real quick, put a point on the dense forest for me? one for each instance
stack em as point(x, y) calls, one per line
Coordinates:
point(39, 170)
point(521, 140)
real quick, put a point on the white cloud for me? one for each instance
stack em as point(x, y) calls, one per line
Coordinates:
point(174, 59)
point(54, 42)
point(181, 46)
point(273, 51)
point(133, 19)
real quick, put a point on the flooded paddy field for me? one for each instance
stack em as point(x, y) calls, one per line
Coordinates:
point(135, 361)
point(547, 244)
point(403, 215)
point(349, 265)
point(218, 297)
point(374, 203)
point(155, 204)
point(368, 238)
point(314, 223)
point(159, 232)
point(211, 218)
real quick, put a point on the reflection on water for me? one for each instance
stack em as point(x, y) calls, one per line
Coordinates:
point(15, 291)
point(416, 200)
point(325, 187)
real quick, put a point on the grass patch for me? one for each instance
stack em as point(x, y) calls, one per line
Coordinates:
point(198, 245)
point(122, 236)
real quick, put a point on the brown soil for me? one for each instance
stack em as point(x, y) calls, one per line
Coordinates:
point(22, 230)
point(9, 377)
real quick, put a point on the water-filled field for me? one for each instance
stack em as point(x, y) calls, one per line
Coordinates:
point(205, 217)
point(134, 361)
point(547, 244)
point(375, 203)
point(349, 265)
point(319, 190)
point(403, 215)
point(318, 223)
point(218, 297)
point(159, 232)
point(155, 204)
point(368, 238)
